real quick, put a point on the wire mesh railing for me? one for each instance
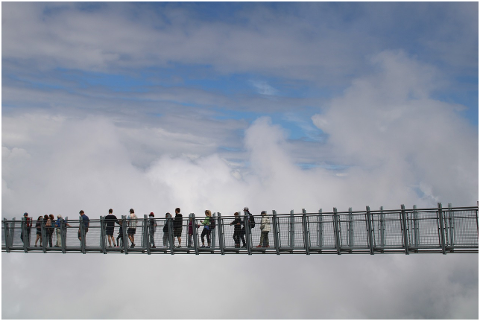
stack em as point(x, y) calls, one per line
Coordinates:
point(441, 230)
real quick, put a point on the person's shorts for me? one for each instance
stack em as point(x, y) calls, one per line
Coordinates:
point(177, 232)
point(131, 231)
point(110, 231)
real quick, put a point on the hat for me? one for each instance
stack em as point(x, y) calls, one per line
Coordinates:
point(25, 213)
point(151, 214)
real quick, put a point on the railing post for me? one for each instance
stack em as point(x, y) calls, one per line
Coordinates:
point(195, 233)
point(221, 235)
point(246, 223)
point(102, 235)
point(24, 235)
point(320, 229)
point(441, 230)
point(82, 236)
point(306, 233)
point(43, 230)
point(451, 225)
point(6, 234)
point(147, 232)
point(63, 235)
point(124, 234)
point(370, 230)
point(416, 236)
point(170, 234)
point(213, 232)
point(336, 227)
point(382, 228)
point(292, 230)
point(403, 216)
point(276, 238)
point(350, 229)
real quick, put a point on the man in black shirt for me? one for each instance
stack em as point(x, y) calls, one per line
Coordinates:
point(110, 221)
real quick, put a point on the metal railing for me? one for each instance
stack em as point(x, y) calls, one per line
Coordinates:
point(435, 230)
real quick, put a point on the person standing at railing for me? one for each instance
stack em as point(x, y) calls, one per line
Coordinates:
point(265, 228)
point(120, 233)
point(110, 221)
point(132, 227)
point(177, 227)
point(28, 226)
point(49, 228)
point(206, 228)
point(238, 231)
point(166, 235)
point(58, 226)
point(153, 229)
point(190, 232)
point(38, 226)
point(86, 224)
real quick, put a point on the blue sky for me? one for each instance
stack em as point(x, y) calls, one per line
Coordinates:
point(216, 105)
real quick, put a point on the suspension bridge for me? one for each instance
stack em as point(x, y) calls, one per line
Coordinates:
point(405, 231)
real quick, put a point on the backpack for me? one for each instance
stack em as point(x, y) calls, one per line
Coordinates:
point(252, 221)
point(212, 223)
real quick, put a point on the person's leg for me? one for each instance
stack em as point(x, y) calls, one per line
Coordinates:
point(203, 236)
point(267, 242)
point(262, 237)
point(208, 237)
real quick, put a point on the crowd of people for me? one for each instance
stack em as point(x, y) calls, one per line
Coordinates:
point(172, 225)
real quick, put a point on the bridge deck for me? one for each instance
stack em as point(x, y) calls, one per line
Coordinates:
point(432, 230)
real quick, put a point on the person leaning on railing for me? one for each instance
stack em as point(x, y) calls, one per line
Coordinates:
point(38, 226)
point(132, 227)
point(86, 224)
point(166, 239)
point(206, 228)
point(265, 228)
point(237, 230)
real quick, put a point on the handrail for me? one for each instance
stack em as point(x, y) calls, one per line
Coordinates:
point(415, 230)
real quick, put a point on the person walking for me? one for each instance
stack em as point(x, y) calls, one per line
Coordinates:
point(153, 229)
point(110, 221)
point(206, 228)
point(238, 231)
point(265, 228)
point(132, 227)
point(178, 226)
